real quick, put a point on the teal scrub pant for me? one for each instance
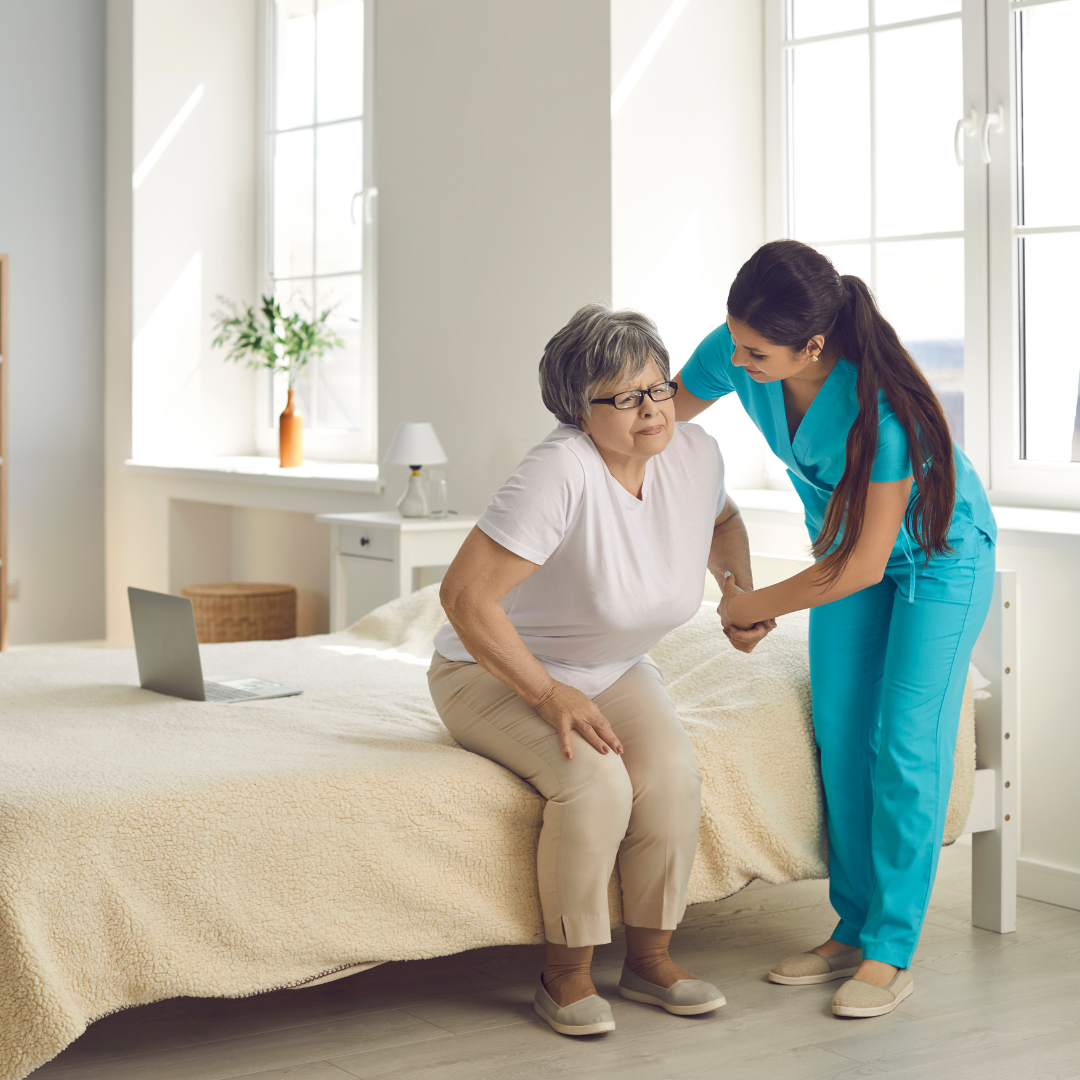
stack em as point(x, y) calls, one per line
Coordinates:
point(887, 670)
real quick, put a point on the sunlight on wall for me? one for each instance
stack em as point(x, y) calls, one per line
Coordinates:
point(165, 391)
point(167, 136)
point(645, 57)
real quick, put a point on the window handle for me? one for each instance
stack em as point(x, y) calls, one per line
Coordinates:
point(995, 122)
point(367, 195)
point(966, 125)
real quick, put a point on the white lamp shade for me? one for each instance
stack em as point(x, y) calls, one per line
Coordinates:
point(415, 444)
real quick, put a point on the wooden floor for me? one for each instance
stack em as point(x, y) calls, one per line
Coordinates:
point(985, 1007)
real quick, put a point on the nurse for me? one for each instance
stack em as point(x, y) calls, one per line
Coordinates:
point(904, 541)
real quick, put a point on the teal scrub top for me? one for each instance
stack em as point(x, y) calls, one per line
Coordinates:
point(815, 458)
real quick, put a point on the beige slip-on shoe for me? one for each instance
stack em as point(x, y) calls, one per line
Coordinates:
point(808, 967)
point(687, 997)
point(860, 998)
point(589, 1016)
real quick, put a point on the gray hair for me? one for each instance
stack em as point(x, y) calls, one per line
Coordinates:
point(596, 347)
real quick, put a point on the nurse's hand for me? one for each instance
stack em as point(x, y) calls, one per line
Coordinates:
point(567, 709)
point(743, 638)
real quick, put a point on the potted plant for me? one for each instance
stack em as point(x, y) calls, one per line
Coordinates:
point(267, 338)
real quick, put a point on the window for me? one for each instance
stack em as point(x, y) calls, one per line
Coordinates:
point(318, 216)
point(924, 145)
point(1035, 249)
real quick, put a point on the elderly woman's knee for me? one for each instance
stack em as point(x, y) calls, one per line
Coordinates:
point(601, 780)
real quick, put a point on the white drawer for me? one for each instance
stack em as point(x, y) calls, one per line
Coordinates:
point(367, 541)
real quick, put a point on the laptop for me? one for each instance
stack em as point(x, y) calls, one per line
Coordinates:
point(167, 651)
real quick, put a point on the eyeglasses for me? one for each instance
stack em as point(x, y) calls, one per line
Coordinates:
point(631, 399)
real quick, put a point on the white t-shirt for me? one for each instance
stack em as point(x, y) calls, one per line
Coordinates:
point(616, 573)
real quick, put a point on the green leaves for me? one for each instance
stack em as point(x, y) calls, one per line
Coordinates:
point(267, 338)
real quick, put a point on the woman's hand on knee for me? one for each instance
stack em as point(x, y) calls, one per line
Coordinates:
point(566, 710)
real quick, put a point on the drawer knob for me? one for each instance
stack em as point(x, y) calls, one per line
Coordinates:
point(364, 541)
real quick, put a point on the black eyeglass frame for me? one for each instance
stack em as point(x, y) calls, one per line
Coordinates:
point(639, 395)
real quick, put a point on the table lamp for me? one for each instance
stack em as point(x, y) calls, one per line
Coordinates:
point(415, 444)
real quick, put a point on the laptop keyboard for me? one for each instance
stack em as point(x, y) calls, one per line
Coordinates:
point(217, 692)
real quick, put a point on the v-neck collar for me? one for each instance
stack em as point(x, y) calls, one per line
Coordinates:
point(630, 501)
point(830, 389)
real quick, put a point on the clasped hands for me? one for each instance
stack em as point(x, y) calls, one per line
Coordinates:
point(744, 637)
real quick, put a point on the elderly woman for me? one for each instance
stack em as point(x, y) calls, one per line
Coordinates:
point(593, 550)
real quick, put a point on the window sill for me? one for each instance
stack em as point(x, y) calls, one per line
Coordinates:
point(1018, 526)
point(1051, 530)
point(325, 475)
point(768, 499)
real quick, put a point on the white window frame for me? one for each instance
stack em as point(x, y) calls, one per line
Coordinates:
point(320, 444)
point(1015, 481)
point(991, 344)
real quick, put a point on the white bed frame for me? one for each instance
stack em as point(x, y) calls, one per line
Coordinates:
point(992, 821)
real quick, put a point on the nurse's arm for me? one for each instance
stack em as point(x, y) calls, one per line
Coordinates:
point(687, 405)
point(482, 573)
point(886, 505)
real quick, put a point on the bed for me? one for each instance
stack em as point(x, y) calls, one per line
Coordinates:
point(153, 848)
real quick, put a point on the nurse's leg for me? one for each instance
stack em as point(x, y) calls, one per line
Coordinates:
point(848, 639)
point(930, 643)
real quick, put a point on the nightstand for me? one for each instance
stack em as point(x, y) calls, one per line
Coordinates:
point(373, 558)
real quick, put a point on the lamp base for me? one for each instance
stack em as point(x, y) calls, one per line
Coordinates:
point(413, 503)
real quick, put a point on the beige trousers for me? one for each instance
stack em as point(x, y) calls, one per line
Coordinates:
point(641, 807)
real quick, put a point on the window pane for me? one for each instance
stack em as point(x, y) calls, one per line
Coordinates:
point(920, 289)
point(294, 63)
point(849, 259)
point(1051, 284)
point(295, 297)
point(339, 175)
point(890, 11)
point(813, 17)
point(919, 187)
point(293, 228)
point(1050, 100)
point(337, 376)
point(830, 108)
point(341, 59)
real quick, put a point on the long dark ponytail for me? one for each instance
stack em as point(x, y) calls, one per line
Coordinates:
point(789, 293)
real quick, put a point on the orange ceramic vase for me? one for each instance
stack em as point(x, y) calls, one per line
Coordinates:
point(291, 435)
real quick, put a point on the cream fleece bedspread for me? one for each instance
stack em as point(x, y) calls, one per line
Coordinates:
point(152, 847)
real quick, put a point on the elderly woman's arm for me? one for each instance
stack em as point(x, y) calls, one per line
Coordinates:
point(730, 554)
point(479, 577)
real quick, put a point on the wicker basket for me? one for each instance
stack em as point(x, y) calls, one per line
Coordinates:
point(243, 611)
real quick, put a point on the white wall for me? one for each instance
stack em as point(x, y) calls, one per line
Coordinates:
point(688, 165)
point(52, 130)
point(194, 222)
point(493, 163)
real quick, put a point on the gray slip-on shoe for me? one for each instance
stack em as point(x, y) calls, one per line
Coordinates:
point(589, 1016)
point(860, 998)
point(687, 997)
point(805, 968)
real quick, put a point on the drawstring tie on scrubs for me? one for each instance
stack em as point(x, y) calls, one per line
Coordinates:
point(911, 563)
